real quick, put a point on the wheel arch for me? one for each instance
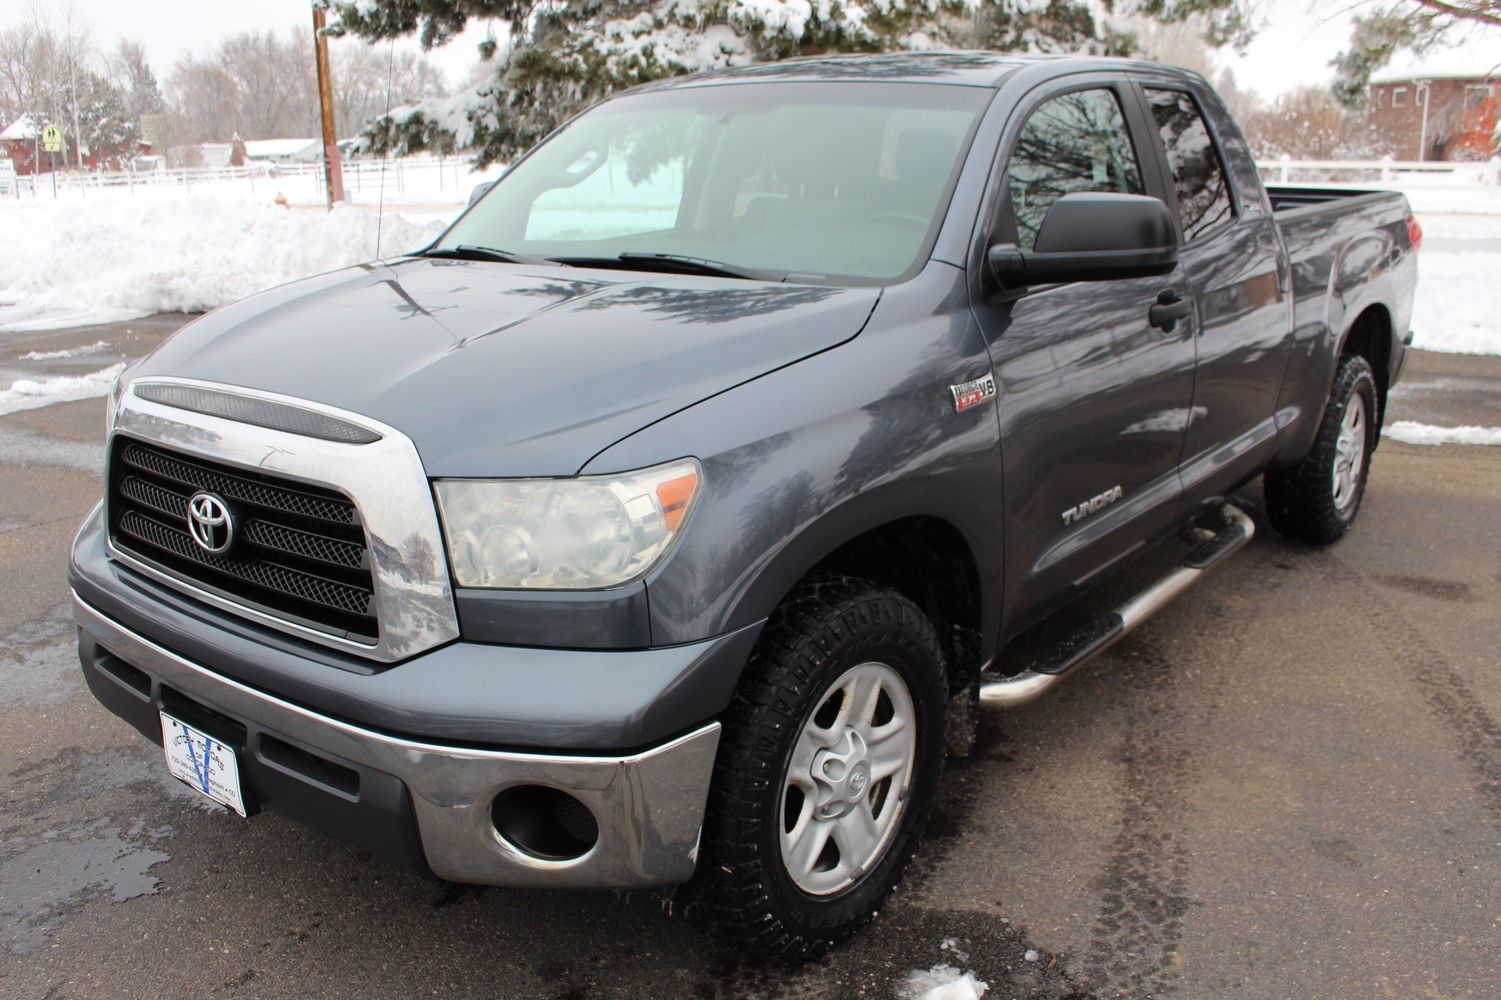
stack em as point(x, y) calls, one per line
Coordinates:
point(1370, 337)
point(922, 555)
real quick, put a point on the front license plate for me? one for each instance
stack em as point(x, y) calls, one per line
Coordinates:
point(202, 762)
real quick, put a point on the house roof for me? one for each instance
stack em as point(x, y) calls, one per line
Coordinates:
point(22, 128)
point(1473, 59)
point(258, 149)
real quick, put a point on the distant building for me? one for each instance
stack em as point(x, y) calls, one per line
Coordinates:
point(1437, 112)
point(21, 142)
point(283, 150)
point(213, 155)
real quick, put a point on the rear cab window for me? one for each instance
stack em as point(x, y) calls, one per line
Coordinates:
point(1204, 200)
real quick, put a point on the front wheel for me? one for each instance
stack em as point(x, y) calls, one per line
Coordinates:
point(1317, 499)
point(827, 767)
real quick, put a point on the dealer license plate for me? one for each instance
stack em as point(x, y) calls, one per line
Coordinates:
point(202, 762)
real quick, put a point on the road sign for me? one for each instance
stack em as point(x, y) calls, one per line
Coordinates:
point(52, 139)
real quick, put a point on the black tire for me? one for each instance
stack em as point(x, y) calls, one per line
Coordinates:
point(743, 890)
point(1302, 501)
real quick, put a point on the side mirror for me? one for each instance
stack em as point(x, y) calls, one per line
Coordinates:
point(1091, 236)
point(479, 191)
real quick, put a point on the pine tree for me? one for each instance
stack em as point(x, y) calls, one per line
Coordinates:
point(1393, 26)
point(562, 57)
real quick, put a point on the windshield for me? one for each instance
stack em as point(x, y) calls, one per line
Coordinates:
point(824, 181)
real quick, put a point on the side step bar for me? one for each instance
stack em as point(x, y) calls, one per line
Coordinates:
point(1103, 632)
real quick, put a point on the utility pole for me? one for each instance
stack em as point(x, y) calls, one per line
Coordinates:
point(333, 172)
point(1424, 86)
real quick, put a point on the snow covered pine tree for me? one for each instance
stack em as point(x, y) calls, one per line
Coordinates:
point(560, 57)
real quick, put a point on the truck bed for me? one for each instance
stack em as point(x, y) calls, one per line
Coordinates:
point(1287, 199)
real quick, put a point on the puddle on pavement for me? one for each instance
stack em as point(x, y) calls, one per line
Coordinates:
point(55, 873)
point(36, 673)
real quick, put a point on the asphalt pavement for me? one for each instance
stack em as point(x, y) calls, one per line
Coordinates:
point(1286, 785)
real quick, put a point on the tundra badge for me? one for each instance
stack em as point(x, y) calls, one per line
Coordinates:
point(1076, 514)
point(968, 395)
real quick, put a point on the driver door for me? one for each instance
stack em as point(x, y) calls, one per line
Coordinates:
point(1093, 398)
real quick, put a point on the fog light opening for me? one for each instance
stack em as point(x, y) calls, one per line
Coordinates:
point(544, 822)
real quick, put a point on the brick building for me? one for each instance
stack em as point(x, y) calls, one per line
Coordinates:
point(1447, 114)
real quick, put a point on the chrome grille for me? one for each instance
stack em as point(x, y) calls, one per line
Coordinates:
point(300, 551)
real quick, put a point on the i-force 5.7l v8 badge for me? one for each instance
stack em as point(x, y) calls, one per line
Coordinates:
point(968, 395)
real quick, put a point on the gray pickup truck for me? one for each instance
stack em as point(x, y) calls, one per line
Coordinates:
point(664, 521)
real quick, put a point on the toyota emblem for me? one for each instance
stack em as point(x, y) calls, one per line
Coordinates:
point(210, 523)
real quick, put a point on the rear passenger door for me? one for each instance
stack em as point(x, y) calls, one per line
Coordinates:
point(1232, 256)
point(1092, 397)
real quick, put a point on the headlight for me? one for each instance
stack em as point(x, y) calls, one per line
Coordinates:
point(564, 534)
point(112, 402)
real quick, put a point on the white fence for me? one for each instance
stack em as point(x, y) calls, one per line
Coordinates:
point(1388, 171)
point(421, 180)
point(447, 181)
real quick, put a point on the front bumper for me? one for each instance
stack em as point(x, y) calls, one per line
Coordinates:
point(423, 803)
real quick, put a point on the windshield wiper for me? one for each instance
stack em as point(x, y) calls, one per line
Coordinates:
point(674, 263)
point(473, 251)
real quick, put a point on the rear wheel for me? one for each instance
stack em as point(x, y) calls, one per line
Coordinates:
point(1317, 499)
point(827, 766)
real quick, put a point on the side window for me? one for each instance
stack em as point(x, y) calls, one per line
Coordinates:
point(1203, 192)
point(1075, 142)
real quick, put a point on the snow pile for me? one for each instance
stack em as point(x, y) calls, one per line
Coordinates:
point(1458, 305)
point(1445, 198)
point(1412, 432)
point(73, 352)
point(28, 394)
point(74, 262)
point(942, 982)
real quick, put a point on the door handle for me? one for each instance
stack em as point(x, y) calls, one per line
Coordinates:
point(1170, 308)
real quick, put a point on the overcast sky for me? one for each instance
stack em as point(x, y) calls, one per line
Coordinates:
point(169, 28)
point(1293, 47)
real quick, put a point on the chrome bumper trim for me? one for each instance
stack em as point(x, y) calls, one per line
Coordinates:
point(385, 479)
point(649, 805)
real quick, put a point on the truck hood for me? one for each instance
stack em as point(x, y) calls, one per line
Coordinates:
point(509, 370)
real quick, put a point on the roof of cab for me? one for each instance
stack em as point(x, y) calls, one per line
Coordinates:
point(973, 68)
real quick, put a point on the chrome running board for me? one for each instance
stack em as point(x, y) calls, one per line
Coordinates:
point(1100, 634)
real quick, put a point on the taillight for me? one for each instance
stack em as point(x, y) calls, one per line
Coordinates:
point(1414, 233)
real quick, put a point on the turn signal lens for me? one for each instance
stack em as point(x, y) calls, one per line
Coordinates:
point(1414, 232)
point(675, 495)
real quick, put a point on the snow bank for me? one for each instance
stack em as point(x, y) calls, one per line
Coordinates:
point(1412, 432)
point(1454, 199)
point(942, 982)
point(74, 352)
point(98, 261)
point(1458, 306)
point(29, 394)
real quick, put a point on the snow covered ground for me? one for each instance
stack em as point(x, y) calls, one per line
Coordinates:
point(101, 260)
point(1458, 307)
point(1413, 432)
point(30, 394)
point(942, 982)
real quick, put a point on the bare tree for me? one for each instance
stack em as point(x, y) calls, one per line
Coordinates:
point(131, 72)
point(204, 102)
point(1311, 124)
point(261, 85)
point(274, 77)
point(1176, 43)
point(361, 74)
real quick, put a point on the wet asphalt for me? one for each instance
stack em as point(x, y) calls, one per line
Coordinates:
point(1286, 785)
